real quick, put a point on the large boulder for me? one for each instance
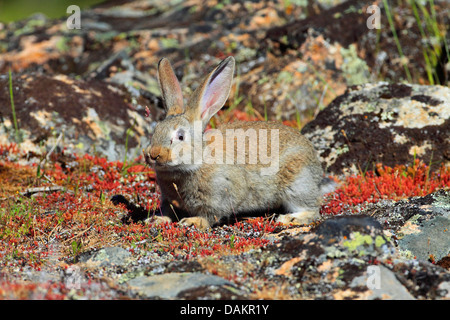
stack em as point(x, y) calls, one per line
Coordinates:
point(383, 123)
point(80, 116)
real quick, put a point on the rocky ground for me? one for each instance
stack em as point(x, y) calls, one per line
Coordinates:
point(75, 191)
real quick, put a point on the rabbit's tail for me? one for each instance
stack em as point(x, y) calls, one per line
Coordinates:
point(327, 185)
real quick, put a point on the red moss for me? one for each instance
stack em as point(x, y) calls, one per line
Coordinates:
point(6, 149)
point(395, 183)
point(82, 211)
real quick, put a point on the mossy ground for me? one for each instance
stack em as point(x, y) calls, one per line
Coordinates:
point(65, 204)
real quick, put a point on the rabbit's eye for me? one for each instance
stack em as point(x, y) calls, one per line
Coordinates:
point(180, 135)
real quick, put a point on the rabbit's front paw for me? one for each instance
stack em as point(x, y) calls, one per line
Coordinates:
point(302, 217)
point(157, 220)
point(198, 222)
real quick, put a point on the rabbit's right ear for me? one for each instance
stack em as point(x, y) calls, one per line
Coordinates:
point(170, 88)
point(212, 93)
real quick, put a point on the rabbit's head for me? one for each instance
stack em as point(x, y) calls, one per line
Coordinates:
point(175, 135)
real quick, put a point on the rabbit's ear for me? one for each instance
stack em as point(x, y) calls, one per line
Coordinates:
point(212, 94)
point(170, 88)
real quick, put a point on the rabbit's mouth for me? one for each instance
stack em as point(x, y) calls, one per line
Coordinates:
point(157, 155)
point(156, 160)
point(160, 164)
point(152, 160)
point(147, 158)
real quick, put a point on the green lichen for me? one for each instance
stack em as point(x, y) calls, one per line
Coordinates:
point(371, 106)
point(169, 43)
point(406, 254)
point(442, 201)
point(63, 44)
point(245, 54)
point(342, 150)
point(105, 37)
point(358, 240)
point(387, 115)
point(355, 69)
point(285, 77)
point(30, 26)
point(300, 3)
point(130, 275)
point(334, 253)
point(379, 241)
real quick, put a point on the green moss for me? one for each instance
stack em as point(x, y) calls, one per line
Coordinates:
point(63, 44)
point(30, 26)
point(169, 43)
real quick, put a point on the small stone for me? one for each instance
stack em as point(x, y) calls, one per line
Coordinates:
point(110, 256)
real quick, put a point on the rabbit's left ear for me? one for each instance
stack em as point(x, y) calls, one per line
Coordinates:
point(170, 88)
point(212, 94)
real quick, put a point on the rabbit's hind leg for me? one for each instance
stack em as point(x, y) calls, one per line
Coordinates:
point(303, 216)
point(302, 200)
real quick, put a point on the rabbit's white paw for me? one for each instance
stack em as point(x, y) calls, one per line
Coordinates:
point(301, 217)
point(157, 220)
point(198, 222)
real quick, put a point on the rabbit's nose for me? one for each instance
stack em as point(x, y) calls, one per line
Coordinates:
point(154, 153)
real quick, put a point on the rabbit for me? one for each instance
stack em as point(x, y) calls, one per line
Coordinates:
point(202, 194)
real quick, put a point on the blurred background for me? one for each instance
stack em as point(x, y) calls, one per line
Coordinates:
point(294, 58)
point(13, 10)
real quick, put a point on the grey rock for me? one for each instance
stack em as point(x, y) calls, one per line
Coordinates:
point(169, 285)
point(382, 284)
point(421, 224)
point(432, 238)
point(444, 287)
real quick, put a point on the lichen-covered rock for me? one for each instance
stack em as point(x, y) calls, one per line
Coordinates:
point(107, 257)
point(293, 57)
point(383, 123)
point(170, 285)
point(421, 225)
point(349, 257)
point(75, 115)
point(347, 25)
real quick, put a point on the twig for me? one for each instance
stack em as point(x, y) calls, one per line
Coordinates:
point(51, 232)
point(377, 190)
point(81, 233)
point(54, 146)
point(30, 191)
point(321, 100)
